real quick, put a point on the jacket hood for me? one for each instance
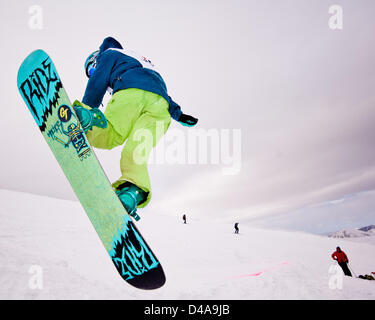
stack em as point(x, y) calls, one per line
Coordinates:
point(109, 42)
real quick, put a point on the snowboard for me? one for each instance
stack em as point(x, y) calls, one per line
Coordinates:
point(40, 87)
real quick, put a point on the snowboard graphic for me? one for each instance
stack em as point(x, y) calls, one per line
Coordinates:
point(42, 90)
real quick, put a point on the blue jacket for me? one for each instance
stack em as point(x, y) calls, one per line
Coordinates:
point(119, 71)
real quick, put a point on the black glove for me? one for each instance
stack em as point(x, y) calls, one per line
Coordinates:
point(187, 121)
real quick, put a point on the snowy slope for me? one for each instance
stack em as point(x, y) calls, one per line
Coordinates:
point(202, 260)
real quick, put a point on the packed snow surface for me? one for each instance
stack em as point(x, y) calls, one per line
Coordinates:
point(53, 241)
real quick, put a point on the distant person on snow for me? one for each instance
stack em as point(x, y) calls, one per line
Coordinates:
point(137, 116)
point(342, 260)
point(236, 229)
point(184, 218)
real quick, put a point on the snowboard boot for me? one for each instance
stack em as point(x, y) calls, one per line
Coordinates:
point(131, 196)
point(89, 117)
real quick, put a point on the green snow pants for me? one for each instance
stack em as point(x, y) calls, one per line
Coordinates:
point(140, 118)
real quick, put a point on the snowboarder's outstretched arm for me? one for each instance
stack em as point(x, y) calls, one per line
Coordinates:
point(178, 115)
point(174, 109)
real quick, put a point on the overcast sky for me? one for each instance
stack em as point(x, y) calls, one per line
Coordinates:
point(300, 94)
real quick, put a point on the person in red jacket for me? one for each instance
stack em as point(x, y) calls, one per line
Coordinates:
point(342, 260)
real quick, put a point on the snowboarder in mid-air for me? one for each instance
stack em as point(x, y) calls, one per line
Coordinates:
point(342, 260)
point(140, 109)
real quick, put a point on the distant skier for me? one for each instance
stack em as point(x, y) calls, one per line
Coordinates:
point(342, 260)
point(139, 113)
point(184, 218)
point(236, 229)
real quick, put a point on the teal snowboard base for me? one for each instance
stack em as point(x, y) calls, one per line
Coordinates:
point(44, 95)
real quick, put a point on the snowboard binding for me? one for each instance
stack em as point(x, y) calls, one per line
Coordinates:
point(89, 117)
point(130, 196)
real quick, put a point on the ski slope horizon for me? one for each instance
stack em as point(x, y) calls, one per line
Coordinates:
point(353, 211)
point(203, 259)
